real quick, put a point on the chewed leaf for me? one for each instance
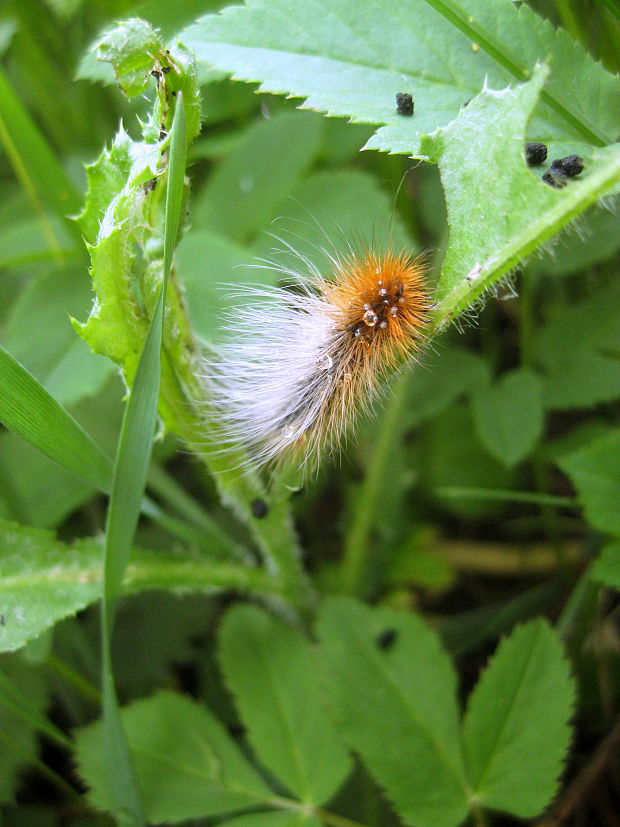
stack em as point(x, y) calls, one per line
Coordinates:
point(351, 59)
point(499, 211)
point(131, 48)
point(393, 689)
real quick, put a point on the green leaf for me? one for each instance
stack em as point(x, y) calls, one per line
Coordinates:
point(595, 473)
point(442, 379)
point(29, 411)
point(61, 362)
point(36, 165)
point(508, 415)
point(579, 350)
point(516, 731)
point(606, 569)
point(451, 455)
point(397, 707)
point(203, 773)
point(131, 49)
point(44, 580)
point(352, 59)
point(499, 211)
point(286, 145)
point(271, 670)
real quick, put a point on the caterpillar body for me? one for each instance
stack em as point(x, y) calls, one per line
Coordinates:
point(305, 359)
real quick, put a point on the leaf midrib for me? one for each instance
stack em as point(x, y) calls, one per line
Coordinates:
point(478, 786)
point(454, 14)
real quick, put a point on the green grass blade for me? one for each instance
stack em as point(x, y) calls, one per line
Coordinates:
point(134, 452)
point(36, 166)
point(28, 410)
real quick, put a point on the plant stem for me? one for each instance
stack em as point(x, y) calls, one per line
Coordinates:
point(356, 546)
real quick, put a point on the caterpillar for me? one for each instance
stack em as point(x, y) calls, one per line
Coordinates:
point(306, 358)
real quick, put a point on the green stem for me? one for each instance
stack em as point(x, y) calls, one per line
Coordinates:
point(504, 495)
point(479, 817)
point(356, 544)
point(327, 817)
point(83, 686)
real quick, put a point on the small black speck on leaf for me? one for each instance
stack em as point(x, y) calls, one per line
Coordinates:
point(2, 620)
point(404, 103)
point(535, 153)
point(386, 638)
point(259, 508)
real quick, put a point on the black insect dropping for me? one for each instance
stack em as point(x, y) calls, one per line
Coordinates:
point(2, 620)
point(386, 638)
point(555, 180)
point(259, 508)
point(562, 169)
point(535, 153)
point(149, 185)
point(404, 103)
point(570, 166)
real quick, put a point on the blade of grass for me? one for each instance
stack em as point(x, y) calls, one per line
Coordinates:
point(134, 451)
point(28, 410)
point(35, 165)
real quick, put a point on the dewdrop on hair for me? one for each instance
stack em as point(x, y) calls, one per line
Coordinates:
point(306, 359)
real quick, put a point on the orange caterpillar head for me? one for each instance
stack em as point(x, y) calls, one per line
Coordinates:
point(382, 301)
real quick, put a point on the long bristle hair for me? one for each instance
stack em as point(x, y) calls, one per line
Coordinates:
point(305, 359)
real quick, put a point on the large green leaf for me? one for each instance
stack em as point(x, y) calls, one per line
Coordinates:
point(352, 58)
point(397, 707)
point(271, 670)
point(516, 732)
point(201, 773)
point(595, 472)
point(44, 580)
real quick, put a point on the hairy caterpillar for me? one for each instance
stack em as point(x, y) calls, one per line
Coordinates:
point(306, 358)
